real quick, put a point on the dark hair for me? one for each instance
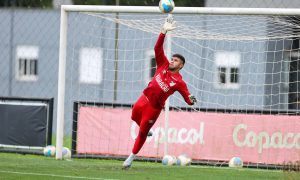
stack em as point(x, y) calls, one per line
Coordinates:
point(180, 57)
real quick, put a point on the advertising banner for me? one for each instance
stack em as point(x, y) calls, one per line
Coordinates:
point(255, 138)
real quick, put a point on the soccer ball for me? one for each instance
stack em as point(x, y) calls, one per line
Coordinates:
point(168, 160)
point(166, 6)
point(49, 151)
point(66, 153)
point(183, 160)
point(235, 162)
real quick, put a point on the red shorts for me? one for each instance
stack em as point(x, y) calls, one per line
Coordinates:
point(143, 113)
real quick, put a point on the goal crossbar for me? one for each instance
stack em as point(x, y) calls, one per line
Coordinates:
point(184, 10)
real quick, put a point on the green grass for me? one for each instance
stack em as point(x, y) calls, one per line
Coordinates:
point(15, 166)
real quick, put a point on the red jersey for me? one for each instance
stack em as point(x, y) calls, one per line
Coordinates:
point(164, 83)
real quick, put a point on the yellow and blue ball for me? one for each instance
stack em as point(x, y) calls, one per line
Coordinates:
point(166, 6)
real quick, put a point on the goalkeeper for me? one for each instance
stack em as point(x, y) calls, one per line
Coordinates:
point(165, 82)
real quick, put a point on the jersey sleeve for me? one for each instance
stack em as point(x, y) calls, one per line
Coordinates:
point(160, 56)
point(183, 90)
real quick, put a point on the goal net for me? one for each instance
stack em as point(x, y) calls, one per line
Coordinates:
point(243, 69)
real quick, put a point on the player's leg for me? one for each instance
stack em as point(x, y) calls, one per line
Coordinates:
point(137, 109)
point(145, 127)
point(149, 117)
point(139, 141)
point(136, 114)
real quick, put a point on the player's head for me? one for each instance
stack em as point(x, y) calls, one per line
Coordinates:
point(177, 62)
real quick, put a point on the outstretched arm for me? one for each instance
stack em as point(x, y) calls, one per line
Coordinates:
point(189, 99)
point(160, 56)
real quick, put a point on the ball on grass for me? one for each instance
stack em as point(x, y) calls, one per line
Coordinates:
point(168, 160)
point(66, 153)
point(183, 160)
point(49, 151)
point(236, 162)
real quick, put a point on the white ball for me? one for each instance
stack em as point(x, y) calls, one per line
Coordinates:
point(49, 151)
point(66, 153)
point(168, 160)
point(236, 162)
point(183, 160)
point(166, 6)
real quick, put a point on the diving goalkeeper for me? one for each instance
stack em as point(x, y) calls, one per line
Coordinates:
point(165, 82)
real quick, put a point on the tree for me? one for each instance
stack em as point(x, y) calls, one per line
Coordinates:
point(27, 3)
point(48, 3)
point(187, 3)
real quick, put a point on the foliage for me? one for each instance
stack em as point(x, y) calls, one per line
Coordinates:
point(187, 3)
point(27, 3)
point(48, 3)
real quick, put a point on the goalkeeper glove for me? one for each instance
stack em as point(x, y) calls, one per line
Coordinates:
point(192, 99)
point(169, 25)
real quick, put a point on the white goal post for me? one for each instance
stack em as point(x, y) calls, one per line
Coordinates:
point(65, 9)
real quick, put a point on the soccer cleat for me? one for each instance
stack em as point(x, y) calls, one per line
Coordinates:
point(126, 166)
point(150, 133)
point(127, 163)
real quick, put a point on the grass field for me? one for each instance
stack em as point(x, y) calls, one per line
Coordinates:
point(16, 166)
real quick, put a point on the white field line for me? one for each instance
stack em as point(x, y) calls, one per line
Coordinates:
point(52, 175)
point(238, 169)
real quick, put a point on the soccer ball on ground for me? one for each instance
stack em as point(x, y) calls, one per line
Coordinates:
point(66, 153)
point(235, 162)
point(166, 6)
point(49, 151)
point(183, 160)
point(168, 160)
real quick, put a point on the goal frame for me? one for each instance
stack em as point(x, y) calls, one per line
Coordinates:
point(65, 9)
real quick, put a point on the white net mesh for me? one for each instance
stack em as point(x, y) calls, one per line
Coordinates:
point(216, 27)
point(242, 69)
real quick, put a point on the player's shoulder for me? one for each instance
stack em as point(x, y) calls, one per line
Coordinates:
point(182, 81)
point(179, 79)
